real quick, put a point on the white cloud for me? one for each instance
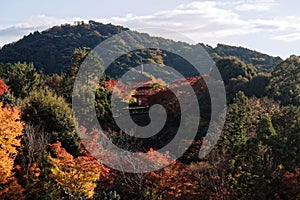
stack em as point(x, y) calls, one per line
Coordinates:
point(255, 5)
point(205, 18)
point(292, 37)
point(35, 22)
point(208, 21)
point(203, 21)
point(41, 22)
point(213, 21)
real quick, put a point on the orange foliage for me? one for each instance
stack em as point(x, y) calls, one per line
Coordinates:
point(75, 175)
point(10, 130)
point(151, 159)
point(181, 181)
point(13, 190)
point(176, 181)
point(117, 87)
point(154, 159)
point(3, 87)
point(110, 84)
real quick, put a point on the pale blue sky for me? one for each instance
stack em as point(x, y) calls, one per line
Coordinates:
point(270, 26)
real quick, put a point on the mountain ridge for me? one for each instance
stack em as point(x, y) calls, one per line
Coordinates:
point(51, 50)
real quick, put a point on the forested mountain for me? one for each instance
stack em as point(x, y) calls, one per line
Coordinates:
point(285, 81)
point(50, 51)
point(44, 149)
point(261, 61)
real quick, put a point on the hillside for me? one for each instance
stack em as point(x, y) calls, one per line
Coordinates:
point(261, 61)
point(51, 146)
point(51, 50)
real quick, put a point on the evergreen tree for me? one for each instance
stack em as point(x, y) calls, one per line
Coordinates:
point(285, 81)
point(237, 124)
point(21, 78)
point(45, 109)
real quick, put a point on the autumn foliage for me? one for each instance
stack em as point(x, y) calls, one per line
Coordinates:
point(290, 184)
point(3, 87)
point(76, 176)
point(42, 157)
point(10, 132)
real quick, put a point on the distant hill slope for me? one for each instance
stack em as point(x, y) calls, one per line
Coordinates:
point(51, 50)
point(261, 61)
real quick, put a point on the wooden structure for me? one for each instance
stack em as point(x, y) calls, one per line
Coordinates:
point(141, 95)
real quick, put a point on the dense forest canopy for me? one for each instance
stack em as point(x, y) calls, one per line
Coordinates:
point(43, 156)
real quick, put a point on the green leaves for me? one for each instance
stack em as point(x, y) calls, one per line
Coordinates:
point(21, 77)
point(236, 125)
point(46, 109)
point(238, 76)
point(265, 128)
point(285, 82)
point(232, 67)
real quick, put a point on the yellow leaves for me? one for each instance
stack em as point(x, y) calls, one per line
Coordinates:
point(10, 130)
point(281, 166)
point(6, 165)
point(77, 176)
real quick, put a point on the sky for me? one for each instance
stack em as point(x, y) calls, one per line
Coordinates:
point(268, 26)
